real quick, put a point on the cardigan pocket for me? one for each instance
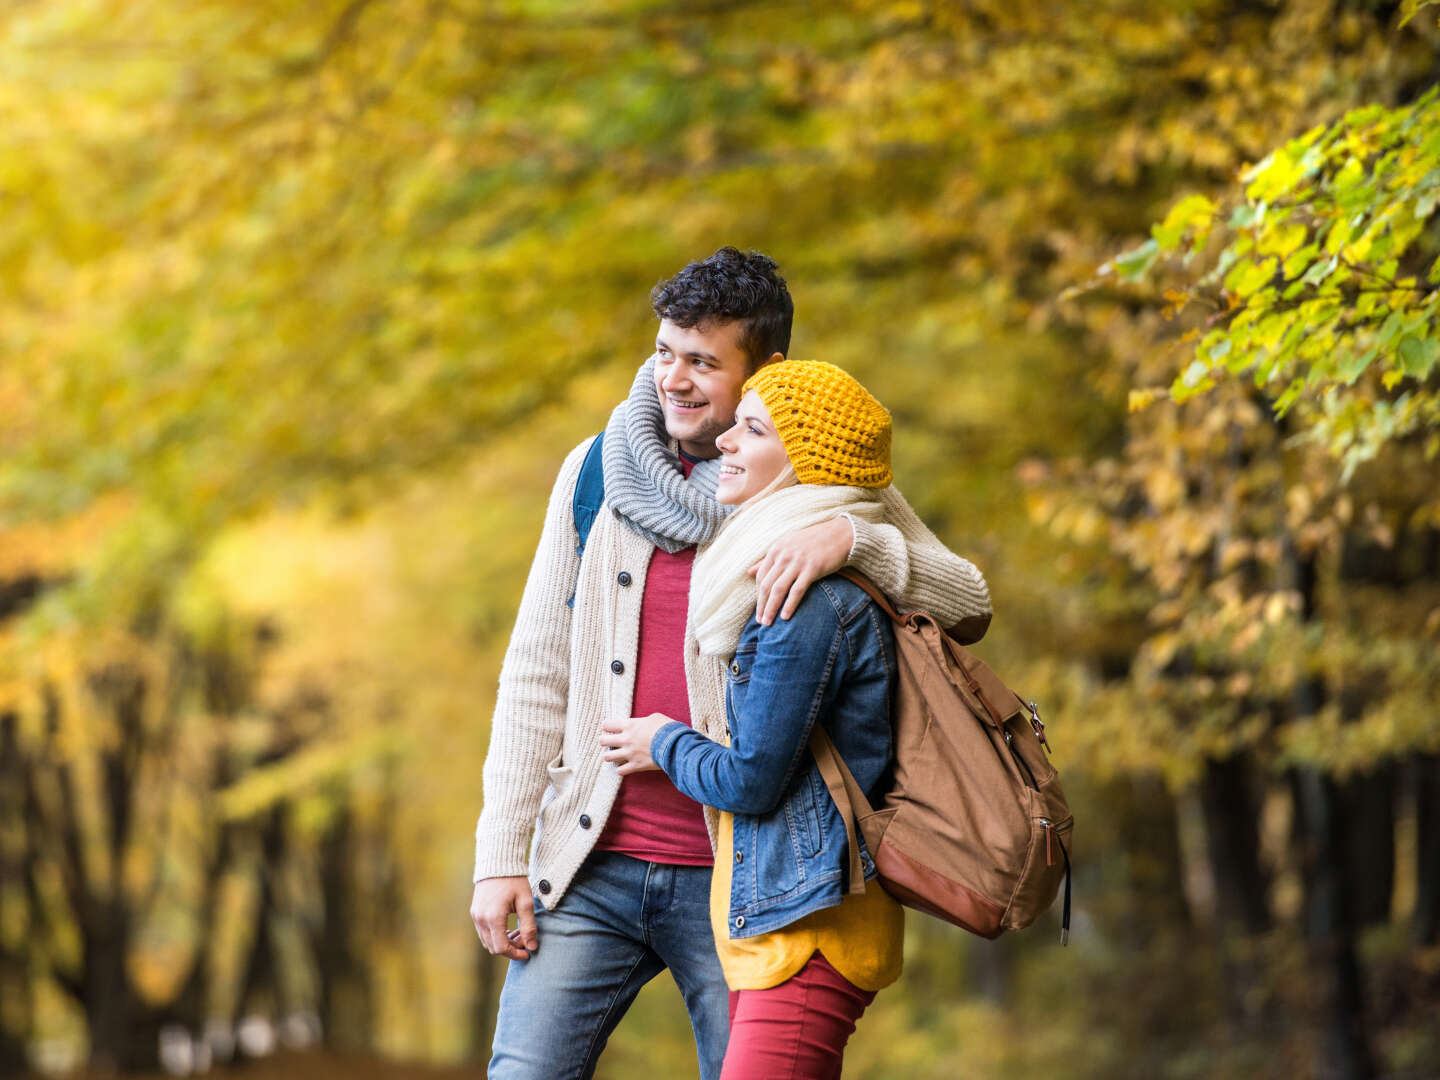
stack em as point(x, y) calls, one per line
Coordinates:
point(560, 777)
point(560, 774)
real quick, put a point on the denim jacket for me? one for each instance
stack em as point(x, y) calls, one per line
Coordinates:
point(831, 662)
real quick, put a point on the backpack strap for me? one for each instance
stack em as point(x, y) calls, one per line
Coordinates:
point(849, 798)
point(953, 647)
point(857, 578)
point(844, 788)
point(589, 493)
point(588, 498)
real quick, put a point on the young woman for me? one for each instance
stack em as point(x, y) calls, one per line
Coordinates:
point(802, 958)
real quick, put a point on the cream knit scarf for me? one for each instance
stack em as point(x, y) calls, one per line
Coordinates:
point(722, 592)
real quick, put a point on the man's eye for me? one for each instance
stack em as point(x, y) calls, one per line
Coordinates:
point(701, 364)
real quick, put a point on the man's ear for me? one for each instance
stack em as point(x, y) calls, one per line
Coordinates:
point(774, 358)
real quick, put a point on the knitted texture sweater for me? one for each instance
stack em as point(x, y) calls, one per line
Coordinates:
point(547, 793)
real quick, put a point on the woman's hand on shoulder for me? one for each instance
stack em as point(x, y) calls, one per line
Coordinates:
point(627, 742)
point(795, 562)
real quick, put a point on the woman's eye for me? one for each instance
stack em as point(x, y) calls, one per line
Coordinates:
point(753, 429)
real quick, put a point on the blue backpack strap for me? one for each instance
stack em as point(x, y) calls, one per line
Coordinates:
point(589, 497)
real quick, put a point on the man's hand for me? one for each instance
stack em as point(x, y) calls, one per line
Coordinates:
point(627, 742)
point(495, 898)
point(797, 561)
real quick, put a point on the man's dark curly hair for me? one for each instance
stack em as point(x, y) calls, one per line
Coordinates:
point(732, 286)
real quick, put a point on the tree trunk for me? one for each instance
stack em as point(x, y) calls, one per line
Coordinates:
point(346, 1009)
point(260, 990)
point(16, 998)
point(1329, 901)
point(1366, 817)
point(1425, 927)
point(124, 1030)
point(1330, 928)
point(1232, 828)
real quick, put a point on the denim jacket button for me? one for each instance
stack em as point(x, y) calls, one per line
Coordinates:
point(734, 667)
point(617, 667)
point(739, 856)
point(739, 922)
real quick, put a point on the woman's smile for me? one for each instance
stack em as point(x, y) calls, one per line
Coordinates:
point(751, 453)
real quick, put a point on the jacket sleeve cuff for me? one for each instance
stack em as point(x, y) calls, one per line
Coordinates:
point(663, 742)
point(501, 856)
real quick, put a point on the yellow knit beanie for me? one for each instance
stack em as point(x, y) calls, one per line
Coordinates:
point(833, 430)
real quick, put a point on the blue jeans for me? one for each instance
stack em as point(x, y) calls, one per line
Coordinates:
point(621, 923)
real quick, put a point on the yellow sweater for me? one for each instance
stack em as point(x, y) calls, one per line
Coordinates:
point(862, 938)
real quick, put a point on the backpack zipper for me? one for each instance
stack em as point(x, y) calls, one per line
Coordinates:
point(1051, 834)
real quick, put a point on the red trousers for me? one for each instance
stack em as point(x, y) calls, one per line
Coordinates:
point(794, 1031)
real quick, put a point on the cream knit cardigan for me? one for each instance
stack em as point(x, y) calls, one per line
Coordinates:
point(547, 791)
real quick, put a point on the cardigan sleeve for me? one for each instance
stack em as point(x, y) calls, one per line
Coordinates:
point(911, 566)
point(528, 725)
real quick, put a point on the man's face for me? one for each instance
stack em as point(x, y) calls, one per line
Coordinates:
point(698, 375)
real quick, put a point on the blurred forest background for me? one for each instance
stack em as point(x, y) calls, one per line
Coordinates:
point(301, 305)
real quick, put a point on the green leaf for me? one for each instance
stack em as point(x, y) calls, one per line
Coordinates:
point(1321, 270)
point(1338, 235)
point(1196, 372)
point(1297, 262)
point(1135, 264)
point(1247, 214)
point(1417, 355)
point(1350, 175)
point(1192, 213)
point(1282, 238)
point(1350, 366)
point(1248, 277)
point(1289, 396)
point(1195, 379)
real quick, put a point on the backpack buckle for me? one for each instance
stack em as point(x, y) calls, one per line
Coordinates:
point(1038, 725)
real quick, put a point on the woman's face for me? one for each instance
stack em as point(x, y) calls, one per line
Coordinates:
point(751, 453)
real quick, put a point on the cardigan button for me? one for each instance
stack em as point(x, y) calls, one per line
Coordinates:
point(624, 578)
point(584, 821)
point(739, 922)
point(544, 887)
point(617, 667)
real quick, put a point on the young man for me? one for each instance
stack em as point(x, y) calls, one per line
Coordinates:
point(609, 880)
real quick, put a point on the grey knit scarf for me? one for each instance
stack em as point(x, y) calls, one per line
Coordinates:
point(644, 482)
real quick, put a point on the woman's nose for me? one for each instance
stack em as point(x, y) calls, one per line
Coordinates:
point(725, 444)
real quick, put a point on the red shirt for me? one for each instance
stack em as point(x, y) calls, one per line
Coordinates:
point(651, 820)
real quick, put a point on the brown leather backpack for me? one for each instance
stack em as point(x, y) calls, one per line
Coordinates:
point(975, 829)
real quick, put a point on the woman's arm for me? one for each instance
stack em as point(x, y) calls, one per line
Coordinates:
point(798, 666)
